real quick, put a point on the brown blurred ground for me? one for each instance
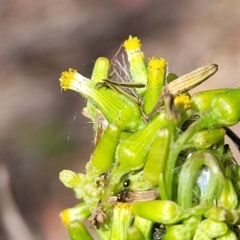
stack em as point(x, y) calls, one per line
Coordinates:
point(40, 39)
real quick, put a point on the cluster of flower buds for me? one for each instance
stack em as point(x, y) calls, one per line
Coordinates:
point(160, 168)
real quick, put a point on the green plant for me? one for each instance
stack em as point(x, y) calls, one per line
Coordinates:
point(160, 168)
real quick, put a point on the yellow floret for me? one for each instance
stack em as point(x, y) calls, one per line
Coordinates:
point(66, 78)
point(157, 63)
point(80, 212)
point(65, 216)
point(132, 43)
point(182, 101)
point(72, 80)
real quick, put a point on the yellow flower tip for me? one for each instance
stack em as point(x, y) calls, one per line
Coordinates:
point(182, 101)
point(65, 216)
point(157, 64)
point(66, 78)
point(72, 80)
point(132, 43)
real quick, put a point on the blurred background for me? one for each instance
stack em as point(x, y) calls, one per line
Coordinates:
point(42, 130)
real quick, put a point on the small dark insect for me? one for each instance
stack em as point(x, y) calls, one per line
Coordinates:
point(123, 196)
point(126, 183)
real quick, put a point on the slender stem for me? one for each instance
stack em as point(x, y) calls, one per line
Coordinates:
point(189, 174)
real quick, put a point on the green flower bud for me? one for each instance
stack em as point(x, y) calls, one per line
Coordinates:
point(100, 70)
point(116, 107)
point(131, 153)
point(179, 232)
point(164, 211)
point(228, 198)
point(157, 156)
point(122, 218)
point(199, 235)
point(156, 77)
point(133, 233)
point(225, 107)
point(77, 231)
point(79, 212)
point(206, 138)
point(216, 214)
point(183, 231)
point(69, 178)
point(201, 101)
point(213, 229)
point(193, 221)
point(101, 160)
point(230, 235)
point(73, 180)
